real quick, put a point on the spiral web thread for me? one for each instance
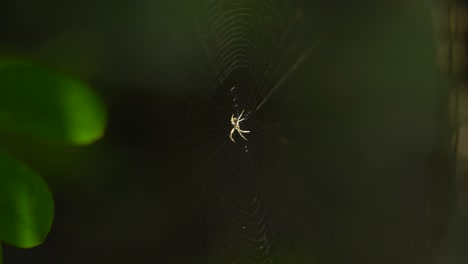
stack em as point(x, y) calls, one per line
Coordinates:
point(245, 42)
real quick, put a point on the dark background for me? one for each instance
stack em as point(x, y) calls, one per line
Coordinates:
point(366, 175)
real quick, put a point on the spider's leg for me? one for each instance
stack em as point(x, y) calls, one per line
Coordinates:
point(244, 131)
point(241, 115)
point(230, 135)
point(242, 135)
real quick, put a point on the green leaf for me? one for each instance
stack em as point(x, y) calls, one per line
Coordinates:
point(26, 204)
point(48, 106)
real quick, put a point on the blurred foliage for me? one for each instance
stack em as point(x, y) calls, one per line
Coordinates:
point(48, 106)
point(51, 108)
point(26, 204)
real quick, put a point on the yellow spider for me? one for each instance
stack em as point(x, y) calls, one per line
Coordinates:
point(235, 121)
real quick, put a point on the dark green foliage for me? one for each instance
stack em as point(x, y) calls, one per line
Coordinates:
point(49, 107)
point(26, 204)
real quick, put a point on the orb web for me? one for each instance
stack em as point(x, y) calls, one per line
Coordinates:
point(245, 42)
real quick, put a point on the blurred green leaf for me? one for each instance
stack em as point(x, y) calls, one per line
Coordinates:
point(48, 106)
point(26, 204)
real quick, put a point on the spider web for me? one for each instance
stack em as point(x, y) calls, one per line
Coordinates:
point(249, 52)
point(248, 49)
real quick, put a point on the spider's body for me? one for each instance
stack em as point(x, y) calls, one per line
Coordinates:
point(235, 122)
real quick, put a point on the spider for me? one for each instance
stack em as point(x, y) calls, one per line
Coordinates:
point(235, 121)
